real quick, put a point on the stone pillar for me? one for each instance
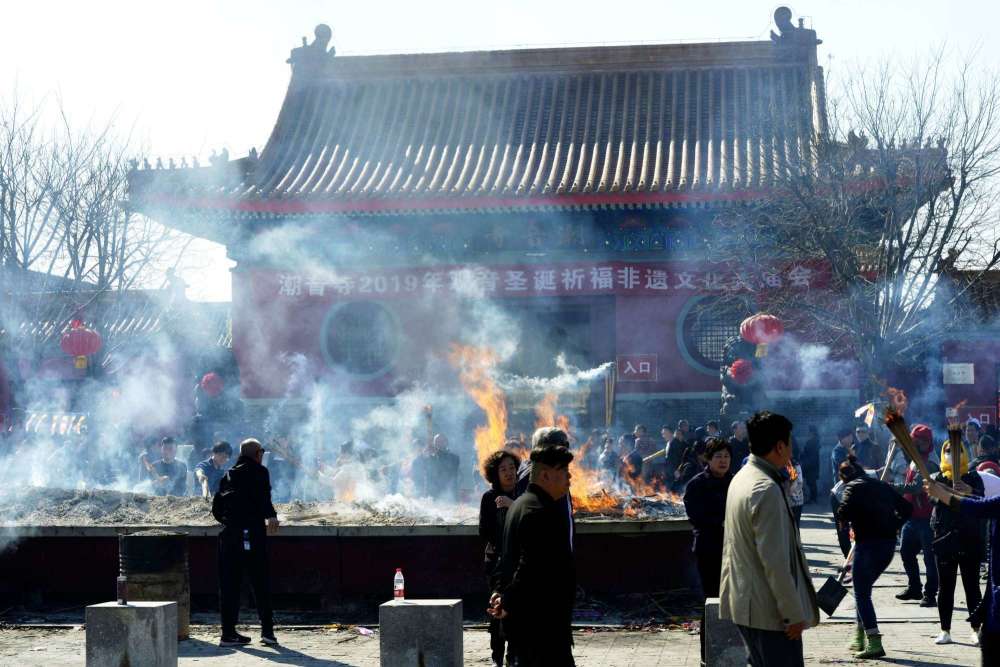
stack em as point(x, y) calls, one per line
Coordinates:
point(724, 645)
point(421, 632)
point(139, 633)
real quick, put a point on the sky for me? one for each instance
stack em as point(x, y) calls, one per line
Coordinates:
point(187, 77)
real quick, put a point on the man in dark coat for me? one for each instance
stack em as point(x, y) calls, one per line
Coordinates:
point(243, 506)
point(537, 581)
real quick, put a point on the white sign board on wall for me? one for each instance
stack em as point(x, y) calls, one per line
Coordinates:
point(959, 373)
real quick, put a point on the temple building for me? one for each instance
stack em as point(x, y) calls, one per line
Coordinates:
point(568, 187)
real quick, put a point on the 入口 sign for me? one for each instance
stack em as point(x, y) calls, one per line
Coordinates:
point(637, 368)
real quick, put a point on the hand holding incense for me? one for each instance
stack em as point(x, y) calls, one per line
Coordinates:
point(897, 426)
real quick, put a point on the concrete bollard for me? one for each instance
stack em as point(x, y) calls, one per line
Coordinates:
point(724, 645)
point(420, 632)
point(139, 633)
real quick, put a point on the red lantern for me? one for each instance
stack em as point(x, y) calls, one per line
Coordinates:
point(212, 384)
point(740, 371)
point(80, 342)
point(761, 330)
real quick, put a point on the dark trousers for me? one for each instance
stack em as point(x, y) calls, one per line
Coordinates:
point(543, 656)
point(771, 648)
point(233, 560)
point(709, 557)
point(498, 641)
point(989, 646)
point(535, 646)
point(871, 557)
point(947, 576)
point(917, 537)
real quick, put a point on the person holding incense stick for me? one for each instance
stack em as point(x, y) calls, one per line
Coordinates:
point(875, 512)
point(958, 540)
point(917, 535)
point(987, 614)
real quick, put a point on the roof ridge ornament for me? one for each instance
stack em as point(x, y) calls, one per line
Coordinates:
point(789, 35)
point(310, 58)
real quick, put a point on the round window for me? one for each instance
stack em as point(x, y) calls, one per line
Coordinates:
point(361, 337)
point(705, 326)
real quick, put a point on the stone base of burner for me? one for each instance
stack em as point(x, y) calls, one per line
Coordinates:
point(724, 645)
point(420, 632)
point(139, 633)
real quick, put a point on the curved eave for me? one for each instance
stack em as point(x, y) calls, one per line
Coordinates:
point(443, 205)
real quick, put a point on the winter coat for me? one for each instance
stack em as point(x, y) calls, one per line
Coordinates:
point(765, 580)
point(955, 535)
point(873, 509)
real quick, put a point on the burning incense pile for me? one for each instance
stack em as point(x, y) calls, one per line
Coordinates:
point(591, 494)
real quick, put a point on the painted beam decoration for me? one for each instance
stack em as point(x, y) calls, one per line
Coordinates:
point(617, 278)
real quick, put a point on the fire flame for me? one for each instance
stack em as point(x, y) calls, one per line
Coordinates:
point(589, 488)
point(897, 400)
point(475, 366)
point(545, 411)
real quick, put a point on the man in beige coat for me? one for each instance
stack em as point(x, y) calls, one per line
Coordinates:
point(765, 587)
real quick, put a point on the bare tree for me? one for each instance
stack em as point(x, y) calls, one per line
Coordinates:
point(909, 190)
point(67, 240)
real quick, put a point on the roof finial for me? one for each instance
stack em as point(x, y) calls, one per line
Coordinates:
point(311, 57)
point(789, 34)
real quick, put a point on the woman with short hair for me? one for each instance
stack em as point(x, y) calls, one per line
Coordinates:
point(705, 502)
point(500, 472)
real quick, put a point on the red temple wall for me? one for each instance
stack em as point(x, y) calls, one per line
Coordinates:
point(279, 320)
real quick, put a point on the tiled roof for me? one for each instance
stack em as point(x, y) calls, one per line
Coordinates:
point(549, 128)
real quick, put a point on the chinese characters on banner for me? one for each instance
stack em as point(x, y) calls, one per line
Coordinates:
point(619, 278)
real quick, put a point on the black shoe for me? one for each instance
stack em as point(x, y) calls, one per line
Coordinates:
point(268, 639)
point(928, 601)
point(909, 594)
point(234, 639)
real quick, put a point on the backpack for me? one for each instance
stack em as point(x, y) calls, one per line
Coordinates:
point(224, 500)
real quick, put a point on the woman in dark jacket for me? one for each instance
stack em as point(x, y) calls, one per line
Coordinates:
point(705, 502)
point(876, 513)
point(958, 541)
point(500, 471)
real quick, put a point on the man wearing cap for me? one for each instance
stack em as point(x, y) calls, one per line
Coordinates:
point(243, 506)
point(537, 582)
point(916, 533)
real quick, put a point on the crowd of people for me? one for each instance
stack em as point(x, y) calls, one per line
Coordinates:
point(169, 466)
point(744, 499)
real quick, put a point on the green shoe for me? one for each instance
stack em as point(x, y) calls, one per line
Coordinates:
point(874, 649)
point(859, 640)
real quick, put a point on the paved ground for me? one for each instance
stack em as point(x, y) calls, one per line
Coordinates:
point(909, 631)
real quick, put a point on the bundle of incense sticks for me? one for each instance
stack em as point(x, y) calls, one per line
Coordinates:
point(954, 450)
point(897, 426)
